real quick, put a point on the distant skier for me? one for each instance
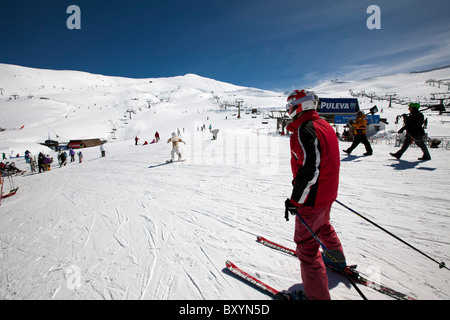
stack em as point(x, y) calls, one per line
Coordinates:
point(27, 156)
point(41, 164)
point(62, 158)
point(80, 157)
point(413, 124)
point(47, 163)
point(360, 134)
point(175, 146)
point(33, 164)
point(102, 150)
point(157, 136)
point(136, 141)
point(72, 155)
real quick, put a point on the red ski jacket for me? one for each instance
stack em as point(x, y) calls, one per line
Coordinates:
point(315, 161)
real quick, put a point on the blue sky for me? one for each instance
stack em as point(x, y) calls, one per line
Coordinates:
point(268, 44)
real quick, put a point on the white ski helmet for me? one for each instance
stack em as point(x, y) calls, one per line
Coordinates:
point(299, 101)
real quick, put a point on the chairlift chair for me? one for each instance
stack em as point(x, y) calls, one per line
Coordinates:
point(13, 189)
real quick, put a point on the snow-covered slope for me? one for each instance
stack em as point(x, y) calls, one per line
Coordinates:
point(129, 226)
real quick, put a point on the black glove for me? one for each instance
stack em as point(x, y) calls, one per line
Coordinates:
point(289, 208)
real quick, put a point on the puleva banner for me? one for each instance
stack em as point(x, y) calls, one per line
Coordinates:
point(338, 105)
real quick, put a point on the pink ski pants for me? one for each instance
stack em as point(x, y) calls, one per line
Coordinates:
point(313, 270)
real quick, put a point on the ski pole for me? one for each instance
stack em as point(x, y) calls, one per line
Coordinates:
point(11, 182)
point(331, 256)
point(1, 187)
point(441, 264)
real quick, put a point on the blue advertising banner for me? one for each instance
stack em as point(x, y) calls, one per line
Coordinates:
point(373, 118)
point(343, 119)
point(338, 105)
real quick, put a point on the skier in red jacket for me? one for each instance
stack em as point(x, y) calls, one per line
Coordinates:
point(315, 166)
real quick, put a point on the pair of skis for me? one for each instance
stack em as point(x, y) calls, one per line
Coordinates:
point(350, 270)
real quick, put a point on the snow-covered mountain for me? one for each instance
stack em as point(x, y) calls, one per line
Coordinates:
point(65, 105)
point(128, 226)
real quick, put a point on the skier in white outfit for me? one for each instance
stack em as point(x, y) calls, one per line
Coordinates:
point(175, 146)
point(214, 133)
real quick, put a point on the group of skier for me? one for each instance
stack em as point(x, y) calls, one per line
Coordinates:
point(414, 123)
point(175, 139)
point(9, 168)
point(315, 162)
point(155, 140)
point(62, 157)
point(44, 161)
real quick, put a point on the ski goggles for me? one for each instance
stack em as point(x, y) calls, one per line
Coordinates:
point(314, 98)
